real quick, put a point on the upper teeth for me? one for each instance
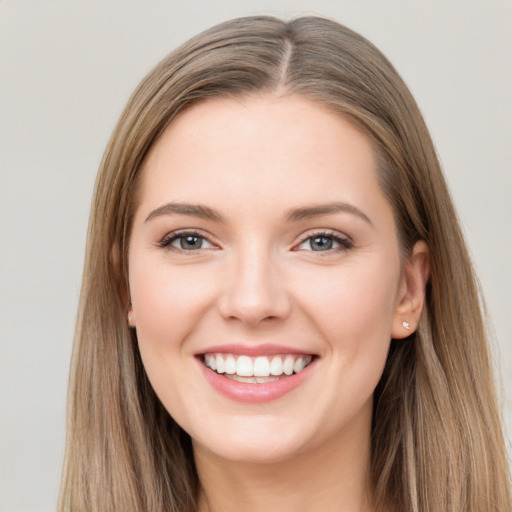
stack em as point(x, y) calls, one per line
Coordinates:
point(261, 366)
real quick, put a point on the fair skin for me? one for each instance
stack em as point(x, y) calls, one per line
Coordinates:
point(261, 232)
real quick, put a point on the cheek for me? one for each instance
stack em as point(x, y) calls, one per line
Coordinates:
point(355, 304)
point(167, 302)
point(353, 311)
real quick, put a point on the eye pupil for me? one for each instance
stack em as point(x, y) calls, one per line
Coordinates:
point(321, 243)
point(190, 242)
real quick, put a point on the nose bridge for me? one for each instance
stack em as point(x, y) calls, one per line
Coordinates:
point(255, 290)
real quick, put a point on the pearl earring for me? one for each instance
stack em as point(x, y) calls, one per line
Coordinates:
point(407, 325)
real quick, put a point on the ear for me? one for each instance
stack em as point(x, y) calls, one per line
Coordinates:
point(411, 294)
point(122, 285)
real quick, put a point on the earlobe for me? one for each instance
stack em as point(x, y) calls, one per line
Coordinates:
point(411, 298)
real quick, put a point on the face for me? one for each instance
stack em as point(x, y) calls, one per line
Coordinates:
point(264, 276)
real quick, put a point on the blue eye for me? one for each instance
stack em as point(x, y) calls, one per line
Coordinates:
point(186, 242)
point(323, 242)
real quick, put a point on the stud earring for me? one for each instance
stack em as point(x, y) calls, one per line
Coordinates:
point(407, 325)
point(129, 319)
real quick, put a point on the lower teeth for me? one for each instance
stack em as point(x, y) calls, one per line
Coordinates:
point(253, 380)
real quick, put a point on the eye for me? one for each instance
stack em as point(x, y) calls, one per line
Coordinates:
point(186, 242)
point(323, 242)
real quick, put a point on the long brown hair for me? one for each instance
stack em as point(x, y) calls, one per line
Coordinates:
point(437, 443)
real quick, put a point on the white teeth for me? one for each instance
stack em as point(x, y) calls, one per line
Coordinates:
point(261, 367)
point(276, 366)
point(220, 363)
point(264, 380)
point(244, 366)
point(252, 380)
point(299, 365)
point(211, 362)
point(259, 370)
point(288, 365)
point(230, 365)
point(247, 380)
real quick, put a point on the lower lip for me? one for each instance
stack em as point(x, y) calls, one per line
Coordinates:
point(255, 393)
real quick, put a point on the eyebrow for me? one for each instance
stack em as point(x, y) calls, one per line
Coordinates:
point(296, 214)
point(193, 210)
point(326, 209)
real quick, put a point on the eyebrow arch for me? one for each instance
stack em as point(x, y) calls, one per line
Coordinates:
point(194, 210)
point(325, 209)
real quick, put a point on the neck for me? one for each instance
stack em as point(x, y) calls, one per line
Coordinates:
point(333, 476)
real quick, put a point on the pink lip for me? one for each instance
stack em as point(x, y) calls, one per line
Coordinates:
point(255, 393)
point(252, 350)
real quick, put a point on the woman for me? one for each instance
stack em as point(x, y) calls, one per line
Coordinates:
point(278, 310)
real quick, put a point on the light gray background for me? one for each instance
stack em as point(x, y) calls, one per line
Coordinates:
point(66, 70)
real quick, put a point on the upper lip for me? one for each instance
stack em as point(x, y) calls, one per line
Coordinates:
point(265, 349)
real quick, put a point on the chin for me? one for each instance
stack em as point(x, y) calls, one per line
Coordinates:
point(254, 443)
point(244, 452)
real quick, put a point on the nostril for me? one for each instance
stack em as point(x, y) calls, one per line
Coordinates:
point(253, 310)
point(253, 292)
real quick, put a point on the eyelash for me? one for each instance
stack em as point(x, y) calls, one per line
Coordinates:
point(344, 242)
point(166, 242)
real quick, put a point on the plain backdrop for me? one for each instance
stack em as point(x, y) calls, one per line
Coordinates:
point(66, 71)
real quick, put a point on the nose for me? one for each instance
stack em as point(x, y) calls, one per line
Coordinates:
point(254, 290)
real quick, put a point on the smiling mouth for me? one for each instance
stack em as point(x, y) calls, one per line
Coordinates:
point(256, 370)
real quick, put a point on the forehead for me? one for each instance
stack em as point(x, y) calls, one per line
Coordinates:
point(275, 150)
